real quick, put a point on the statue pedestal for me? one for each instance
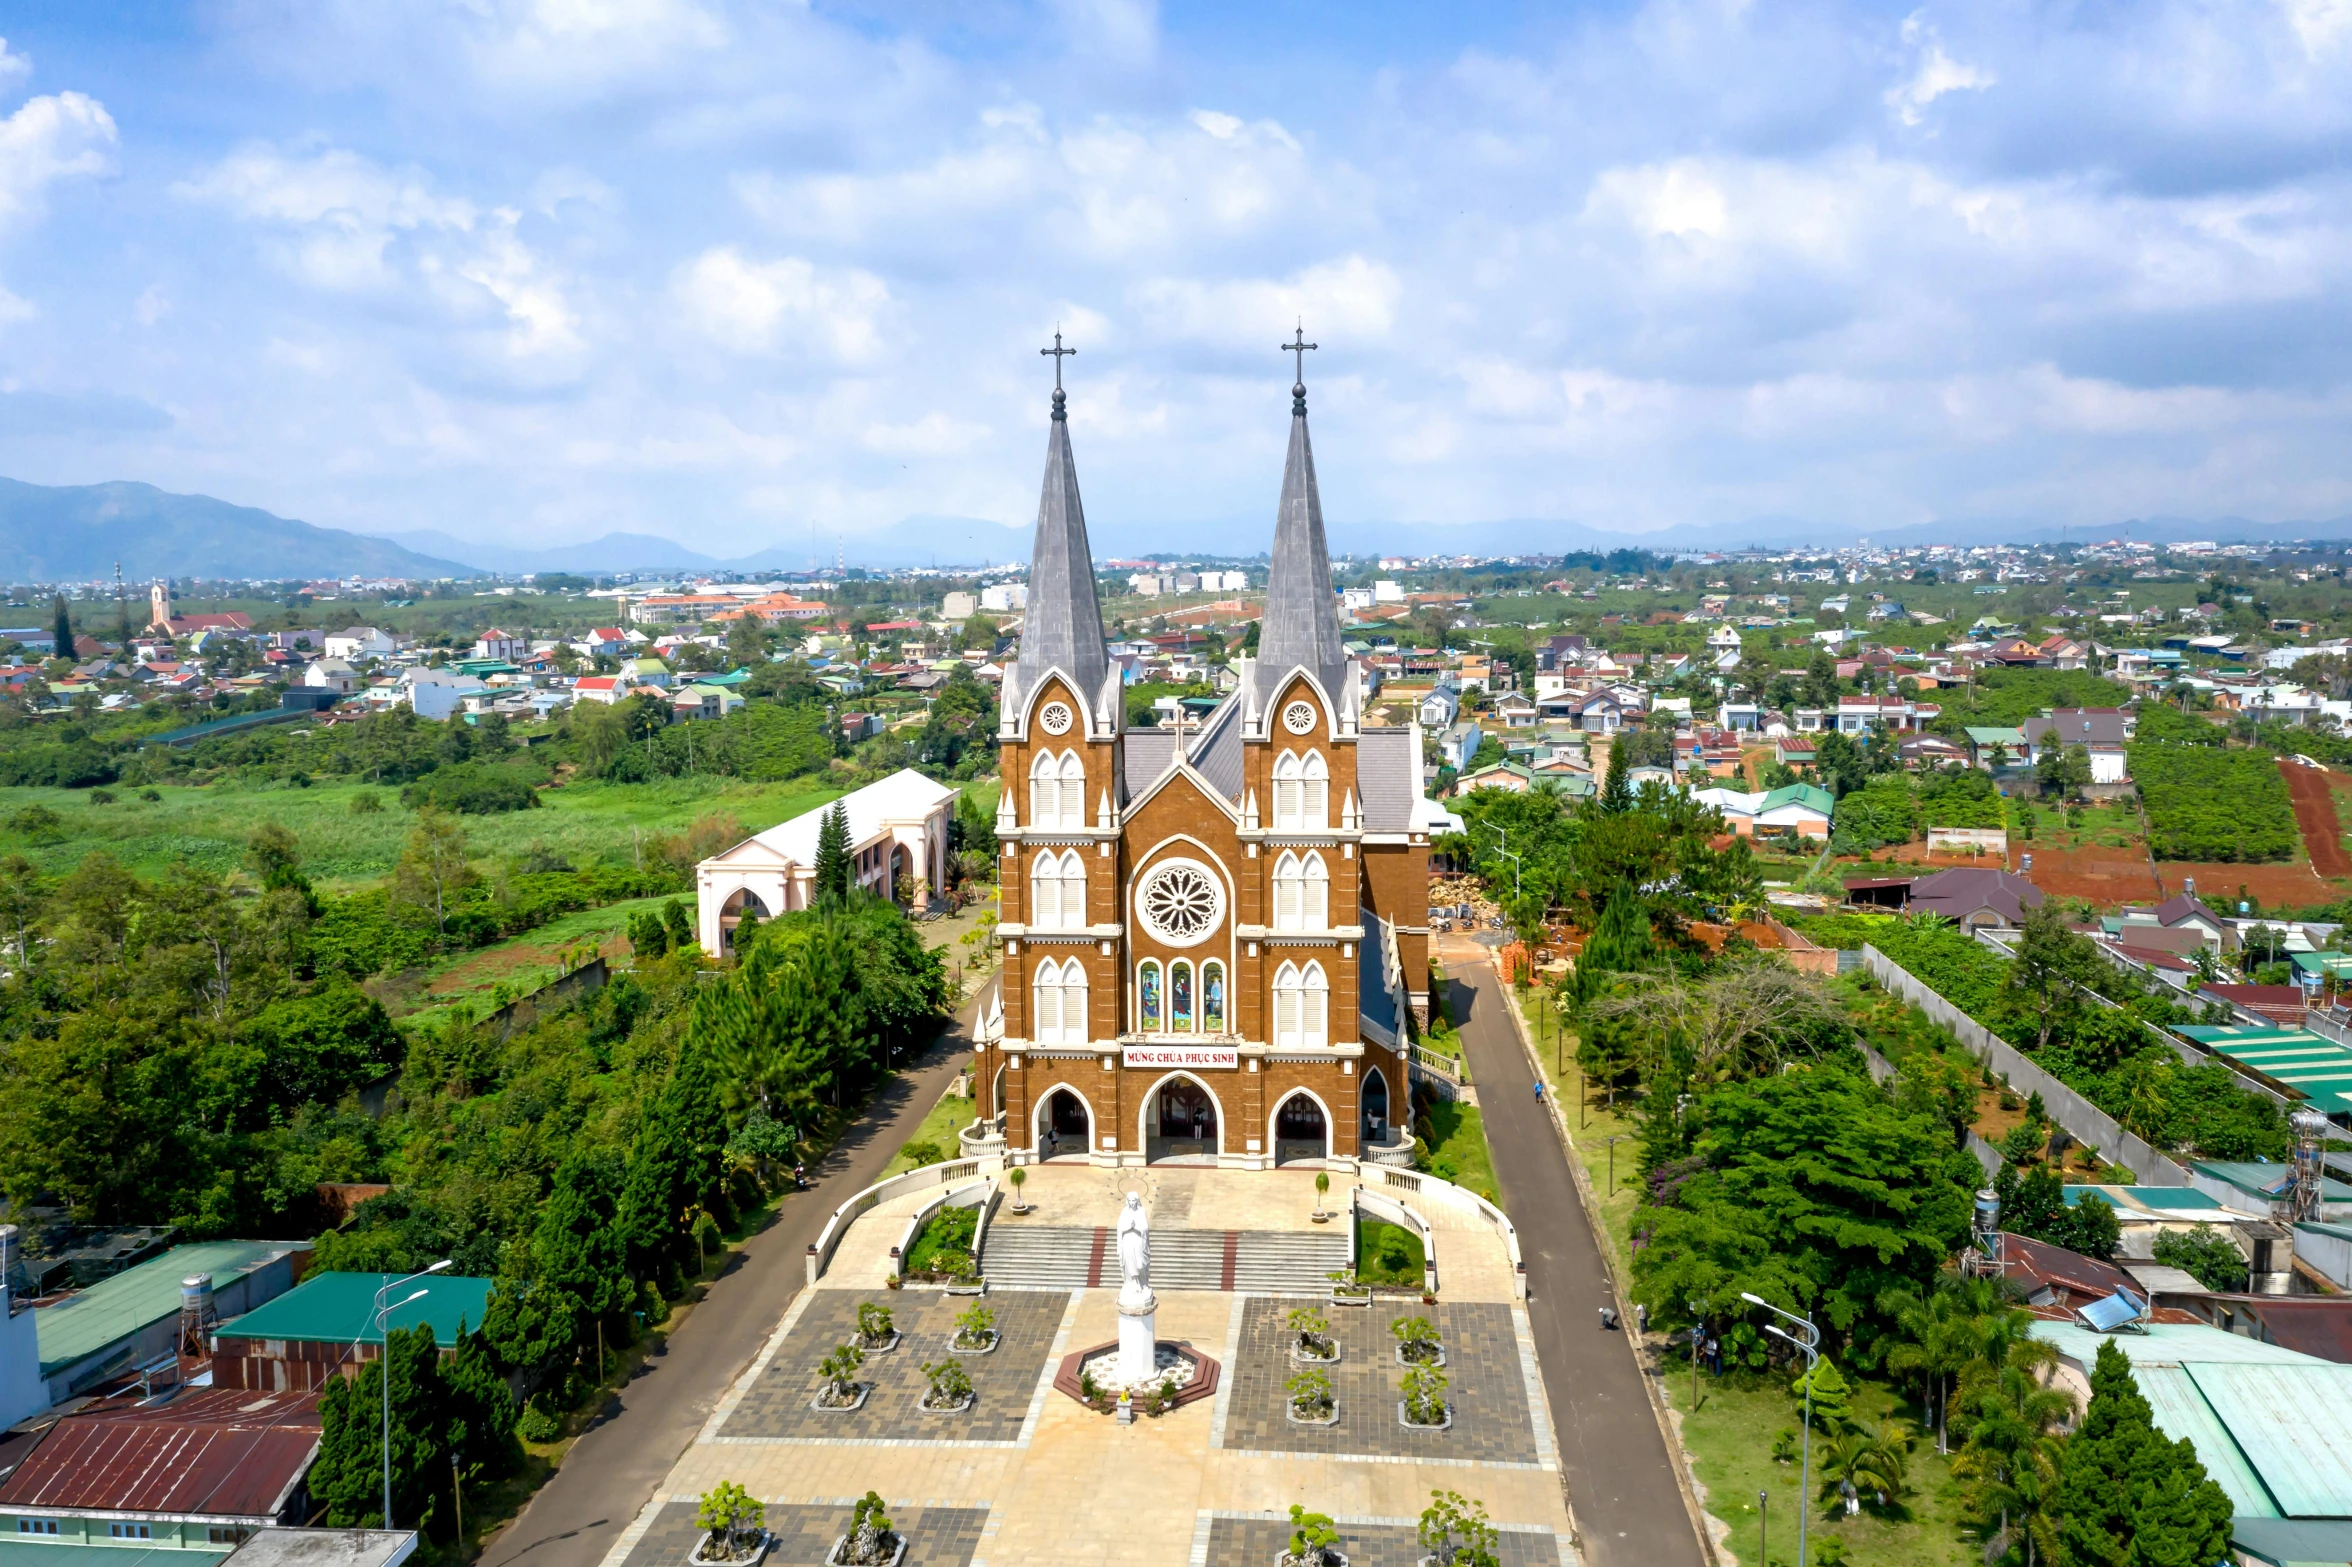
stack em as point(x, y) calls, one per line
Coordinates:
point(1138, 1334)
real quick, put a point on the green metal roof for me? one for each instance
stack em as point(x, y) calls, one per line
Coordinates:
point(340, 1308)
point(34, 1551)
point(2319, 1068)
point(113, 1309)
point(2153, 1199)
point(2171, 1344)
point(1812, 796)
point(2181, 1411)
point(2293, 1425)
point(2335, 965)
point(2257, 1179)
point(1986, 735)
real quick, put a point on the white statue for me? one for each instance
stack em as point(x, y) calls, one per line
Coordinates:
point(1134, 1237)
point(1138, 1306)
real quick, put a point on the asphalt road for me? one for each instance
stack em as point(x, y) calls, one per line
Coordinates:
point(615, 1468)
point(1621, 1483)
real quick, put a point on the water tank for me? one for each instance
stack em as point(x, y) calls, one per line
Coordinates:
point(1986, 1222)
point(196, 1296)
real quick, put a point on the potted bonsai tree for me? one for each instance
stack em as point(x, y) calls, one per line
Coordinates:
point(841, 1390)
point(1019, 1176)
point(950, 1392)
point(1311, 1399)
point(1322, 1189)
point(870, 1542)
point(734, 1525)
point(1417, 1342)
point(975, 1332)
point(1314, 1542)
point(877, 1335)
point(1455, 1532)
point(1312, 1341)
point(1424, 1406)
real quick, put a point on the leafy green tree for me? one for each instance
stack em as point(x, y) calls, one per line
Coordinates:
point(433, 867)
point(648, 936)
point(61, 627)
point(1616, 797)
point(677, 923)
point(1622, 941)
point(347, 1479)
point(2208, 1254)
point(578, 1253)
point(2128, 1496)
point(2009, 1466)
point(1830, 1391)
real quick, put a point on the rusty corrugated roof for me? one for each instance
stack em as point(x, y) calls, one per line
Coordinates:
point(226, 1452)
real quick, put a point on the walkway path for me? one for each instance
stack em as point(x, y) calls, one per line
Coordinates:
point(1621, 1482)
point(612, 1470)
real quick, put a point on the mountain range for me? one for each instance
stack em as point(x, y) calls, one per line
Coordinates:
point(77, 534)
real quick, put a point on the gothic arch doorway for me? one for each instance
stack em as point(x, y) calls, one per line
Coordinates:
point(1302, 1132)
point(1182, 1121)
point(1065, 1125)
point(743, 901)
point(1375, 1106)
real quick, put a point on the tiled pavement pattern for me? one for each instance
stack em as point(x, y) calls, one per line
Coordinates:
point(936, 1536)
point(777, 1406)
point(1258, 1542)
point(1484, 1383)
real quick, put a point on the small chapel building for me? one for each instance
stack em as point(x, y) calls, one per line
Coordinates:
point(1215, 933)
point(897, 849)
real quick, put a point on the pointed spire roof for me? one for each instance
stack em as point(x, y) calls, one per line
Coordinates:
point(1063, 627)
point(1302, 616)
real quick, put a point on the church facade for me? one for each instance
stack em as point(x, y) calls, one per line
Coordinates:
point(1215, 935)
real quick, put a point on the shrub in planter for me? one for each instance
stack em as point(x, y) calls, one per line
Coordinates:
point(1019, 1177)
point(732, 1521)
point(1455, 1532)
point(840, 1370)
point(1417, 1341)
point(870, 1542)
point(1314, 1542)
point(950, 1390)
point(1314, 1341)
point(1322, 1190)
point(1347, 1289)
point(1425, 1402)
point(975, 1330)
point(875, 1327)
point(1310, 1394)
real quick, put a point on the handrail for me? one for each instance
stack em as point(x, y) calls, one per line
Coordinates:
point(1438, 1189)
point(820, 1252)
point(1404, 1217)
point(924, 1215)
point(987, 1211)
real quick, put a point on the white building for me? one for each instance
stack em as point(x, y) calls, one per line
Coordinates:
point(1005, 598)
point(959, 606)
point(897, 829)
point(332, 674)
point(22, 1392)
point(1387, 592)
point(362, 642)
point(504, 645)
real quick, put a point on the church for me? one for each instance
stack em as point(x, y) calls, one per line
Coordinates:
point(1215, 934)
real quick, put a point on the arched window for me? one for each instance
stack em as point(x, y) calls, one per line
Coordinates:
point(1057, 790)
point(1302, 892)
point(1061, 1003)
point(1057, 891)
point(1302, 1006)
point(1147, 996)
point(1180, 996)
point(1302, 791)
point(1212, 998)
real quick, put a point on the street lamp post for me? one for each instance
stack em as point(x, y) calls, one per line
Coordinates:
point(1810, 1343)
point(1763, 1526)
point(1613, 1142)
point(384, 1363)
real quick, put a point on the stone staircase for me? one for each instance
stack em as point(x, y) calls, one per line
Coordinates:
point(1020, 1256)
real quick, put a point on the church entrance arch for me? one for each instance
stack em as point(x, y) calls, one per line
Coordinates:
point(743, 901)
point(1182, 1120)
point(1065, 1125)
point(1375, 1106)
point(1302, 1132)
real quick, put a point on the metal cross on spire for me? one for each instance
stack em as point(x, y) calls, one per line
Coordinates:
point(1057, 353)
point(1298, 348)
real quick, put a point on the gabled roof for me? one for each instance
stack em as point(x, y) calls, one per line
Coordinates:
point(905, 795)
point(211, 1452)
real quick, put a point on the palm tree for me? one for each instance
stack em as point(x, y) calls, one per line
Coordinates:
point(1859, 1463)
point(2010, 1463)
point(1958, 1335)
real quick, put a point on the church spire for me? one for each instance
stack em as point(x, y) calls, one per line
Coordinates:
point(1063, 628)
point(1302, 618)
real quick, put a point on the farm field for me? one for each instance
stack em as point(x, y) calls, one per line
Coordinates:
point(521, 965)
point(343, 850)
point(2316, 815)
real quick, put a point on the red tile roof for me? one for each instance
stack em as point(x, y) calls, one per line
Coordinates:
point(223, 1452)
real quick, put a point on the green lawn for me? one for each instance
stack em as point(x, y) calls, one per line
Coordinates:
point(1453, 1147)
point(208, 825)
point(1730, 1440)
point(1388, 1254)
point(948, 1117)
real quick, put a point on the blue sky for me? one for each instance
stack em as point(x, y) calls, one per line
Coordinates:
point(750, 275)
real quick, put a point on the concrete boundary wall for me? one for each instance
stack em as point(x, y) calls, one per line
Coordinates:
point(2081, 1119)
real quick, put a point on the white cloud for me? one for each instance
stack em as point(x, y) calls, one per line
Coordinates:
point(346, 209)
point(1355, 296)
point(14, 67)
point(1936, 74)
point(788, 305)
point(152, 305)
point(2321, 25)
point(49, 139)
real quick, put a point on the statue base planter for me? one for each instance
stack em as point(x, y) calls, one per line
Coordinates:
point(1405, 1419)
point(1194, 1373)
point(839, 1555)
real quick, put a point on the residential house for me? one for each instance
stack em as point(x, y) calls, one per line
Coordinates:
point(701, 701)
point(2105, 731)
point(296, 1341)
point(1458, 743)
point(131, 1319)
point(1794, 751)
point(332, 674)
point(361, 642)
point(1514, 711)
point(505, 646)
point(1714, 751)
point(1857, 715)
point(1439, 708)
point(2183, 912)
point(607, 689)
point(603, 642)
point(1992, 747)
point(1516, 777)
point(648, 672)
point(1739, 716)
point(194, 1467)
point(1802, 810)
point(439, 693)
point(1974, 897)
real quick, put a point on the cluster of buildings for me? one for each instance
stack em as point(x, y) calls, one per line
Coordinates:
point(165, 1398)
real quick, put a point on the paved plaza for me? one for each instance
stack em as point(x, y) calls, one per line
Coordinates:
point(1029, 1475)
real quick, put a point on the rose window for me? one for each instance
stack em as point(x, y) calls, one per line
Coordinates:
point(1181, 903)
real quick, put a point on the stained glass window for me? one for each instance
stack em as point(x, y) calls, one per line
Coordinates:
point(1180, 997)
point(1147, 985)
point(1212, 998)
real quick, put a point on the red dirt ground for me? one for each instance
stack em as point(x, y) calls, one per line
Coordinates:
point(2315, 814)
point(2108, 877)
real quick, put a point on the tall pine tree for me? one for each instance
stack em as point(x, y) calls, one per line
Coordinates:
point(833, 854)
point(348, 1477)
point(1617, 789)
point(2128, 1496)
point(62, 627)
